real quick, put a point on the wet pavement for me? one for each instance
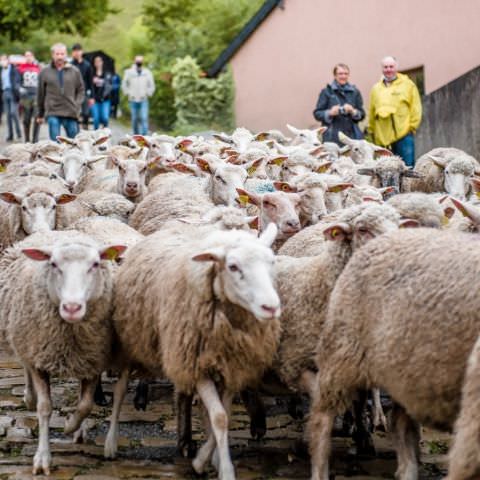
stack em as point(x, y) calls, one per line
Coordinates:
point(147, 440)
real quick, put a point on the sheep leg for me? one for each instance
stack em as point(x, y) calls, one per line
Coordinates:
point(227, 399)
point(320, 428)
point(379, 417)
point(119, 391)
point(361, 435)
point(140, 400)
point(84, 406)
point(30, 396)
point(308, 382)
point(218, 417)
point(42, 458)
point(407, 436)
point(185, 445)
point(256, 411)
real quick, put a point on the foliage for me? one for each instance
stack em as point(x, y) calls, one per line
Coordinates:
point(18, 18)
point(201, 103)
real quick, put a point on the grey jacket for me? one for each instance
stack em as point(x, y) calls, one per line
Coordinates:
point(57, 100)
point(138, 86)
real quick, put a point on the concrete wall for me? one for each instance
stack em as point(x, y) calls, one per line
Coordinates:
point(452, 116)
point(282, 67)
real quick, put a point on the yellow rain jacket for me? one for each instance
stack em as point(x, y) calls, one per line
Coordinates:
point(395, 110)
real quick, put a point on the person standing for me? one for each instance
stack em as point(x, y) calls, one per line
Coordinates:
point(395, 111)
point(101, 90)
point(87, 72)
point(138, 85)
point(60, 94)
point(29, 72)
point(340, 106)
point(10, 92)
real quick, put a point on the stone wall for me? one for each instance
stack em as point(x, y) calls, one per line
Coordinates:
point(451, 116)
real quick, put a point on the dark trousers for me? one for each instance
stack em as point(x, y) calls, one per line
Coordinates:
point(10, 107)
point(405, 148)
point(29, 105)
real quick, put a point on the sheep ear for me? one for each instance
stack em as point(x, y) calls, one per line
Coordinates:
point(475, 182)
point(382, 152)
point(339, 187)
point(386, 190)
point(245, 197)
point(285, 187)
point(65, 140)
point(344, 139)
point(253, 165)
point(294, 130)
point(321, 130)
point(449, 212)
point(214, 255)
point(233, 159)
point(372, 199)
point(64, 198)
point(112, 252)
point(323, 167)
point(183, 168)
point(253, 222)
point(337, 232)
point(141, 141)
point(438, 161)
point(182, 145)
point(10, 197)
point(57, 160)
point(412, 174)
point(278, 161)
point(260, 137)
point(39, 254)
point(268, 236)
point(3, 164)
point(366, 171)
point(101, 140)
point(467, 210)
point(317, 151)
point(409, 223)
point(204, 165)
point(97, 158)
point(222, 137)
point(114, 160)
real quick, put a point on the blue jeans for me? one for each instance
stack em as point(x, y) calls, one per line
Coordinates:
point(69, 124)
point(10, 107)
point(100, 113)
point(139, 111)
point(405, 148)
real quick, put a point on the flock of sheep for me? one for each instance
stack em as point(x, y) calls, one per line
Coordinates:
point(155, 258)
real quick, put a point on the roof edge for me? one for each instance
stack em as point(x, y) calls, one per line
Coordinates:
point(242, 37)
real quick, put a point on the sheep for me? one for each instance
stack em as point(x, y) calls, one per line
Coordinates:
point(363, 193)
point(313, 190)
point(279, 208)
point(273, 134)
point(61, 302)
point(75, 168)
point(305, 136)
point(445, 170)
point(389, 171)
point(225, 332)
point(469, 220)
point(410, 328)
point(31, 208)
point(19, 152)
point(362, 151)
point(424, 208)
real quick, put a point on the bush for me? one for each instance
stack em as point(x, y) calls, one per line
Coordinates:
point(201, 103)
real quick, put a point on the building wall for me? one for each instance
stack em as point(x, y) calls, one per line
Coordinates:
point(282, 67)
point(452, 116)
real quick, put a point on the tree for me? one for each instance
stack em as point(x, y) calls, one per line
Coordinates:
point(19, 18)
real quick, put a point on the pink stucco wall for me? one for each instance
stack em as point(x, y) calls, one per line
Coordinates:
point(282, 67)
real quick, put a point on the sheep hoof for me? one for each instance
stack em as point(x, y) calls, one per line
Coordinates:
point(187, 449)
point(41, 463)
point(198, 465)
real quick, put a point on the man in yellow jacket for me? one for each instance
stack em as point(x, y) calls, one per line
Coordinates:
point(395, 111)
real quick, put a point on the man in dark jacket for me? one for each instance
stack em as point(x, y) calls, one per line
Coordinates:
point(86, 70)
point(60, 94)
point(10, 95)
point(340, 107)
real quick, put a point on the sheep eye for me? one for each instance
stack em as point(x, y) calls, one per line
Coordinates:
point(218, 177)
point(53, 265)
point(54, 206)
point(95, 265)
point(24, 208)
point(268, 204)
point(233, 268)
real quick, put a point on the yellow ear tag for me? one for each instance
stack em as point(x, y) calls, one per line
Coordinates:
point(206, 167)
point(110, 254)
point(335, 232)
point(278, 161)
point(243, 199)
point(2, 168)
point(251, 170)
point(285, 188)
point(322, 169)
point(335, 189)
point(444, 220)
point(261, 137)
point(152, 165)
point(477, 194)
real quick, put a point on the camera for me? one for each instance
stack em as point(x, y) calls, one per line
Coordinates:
point(342, 111)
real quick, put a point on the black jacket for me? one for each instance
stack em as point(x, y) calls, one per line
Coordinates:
point(86, 70)
point(15, 81)
point(101, 86)
point(334, 94)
